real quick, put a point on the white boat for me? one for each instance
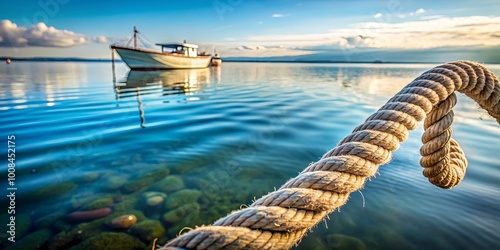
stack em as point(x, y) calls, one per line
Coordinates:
point(216, 60)
point(171, 56)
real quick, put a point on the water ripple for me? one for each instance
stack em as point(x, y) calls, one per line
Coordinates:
point(248, 128)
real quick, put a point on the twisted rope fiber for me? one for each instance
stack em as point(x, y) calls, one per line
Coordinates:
point(280, 219)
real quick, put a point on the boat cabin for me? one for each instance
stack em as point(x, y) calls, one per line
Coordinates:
point(186, 49)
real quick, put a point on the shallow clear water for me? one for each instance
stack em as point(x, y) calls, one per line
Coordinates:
point(231, 134)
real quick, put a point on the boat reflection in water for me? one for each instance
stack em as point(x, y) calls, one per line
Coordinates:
point(181, 85)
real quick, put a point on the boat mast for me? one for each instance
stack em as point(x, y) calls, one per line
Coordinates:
point(135, 37)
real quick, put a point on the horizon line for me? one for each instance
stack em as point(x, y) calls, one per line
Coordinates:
point(226, 59)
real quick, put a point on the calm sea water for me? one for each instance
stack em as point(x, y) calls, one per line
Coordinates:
point(84, 141)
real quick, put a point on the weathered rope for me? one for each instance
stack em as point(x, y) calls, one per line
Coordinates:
point(279, 219)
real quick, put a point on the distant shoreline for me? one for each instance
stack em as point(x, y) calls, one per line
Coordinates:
point(74, 59)
point(319, 61)
point(55, 59)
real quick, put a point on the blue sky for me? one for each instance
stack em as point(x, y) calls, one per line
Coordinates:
point(253, 28)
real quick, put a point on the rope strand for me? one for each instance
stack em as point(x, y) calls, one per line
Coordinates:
point(280, 219)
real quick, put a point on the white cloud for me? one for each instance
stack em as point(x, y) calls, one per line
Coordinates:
point(378, 15)
point(251, 47)
point(419, 11)
point(431, 17)
point(100, 39)
point(280, 15)
point(422, 34)
point(458, 31)
point(303, 38)
point(41, 35)
point(255, 50)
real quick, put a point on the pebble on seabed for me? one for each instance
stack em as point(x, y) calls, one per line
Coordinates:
point(124, 221)
point(154, 198)
point(89, 215)
point(154, 201)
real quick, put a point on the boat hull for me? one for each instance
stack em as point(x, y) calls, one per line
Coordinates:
point(216, 62)
point(145, 59)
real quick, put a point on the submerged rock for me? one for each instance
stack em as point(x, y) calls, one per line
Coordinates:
point(152, 194)
point(169, 184)
point(147, 230)
point(89, 177)
point(111, 241)
point(180, 227)
point(154, 201)
point(48, 220)
point(89, 215)
point(154, 198)
point(102, 202)
point(344, 242)
point(4, 220)
point(137, 213)
point(59, 190)
point(154, 204)
point(188, 165)
point(85, 230)
point(182, 197)
point(81, 198)
point(312, 243)
point(128, 203)
point(124, 221)
point(396, 239)
point(184, 212)
point(23, 225)
point(31, 241)
point(115, 182)
point(160, 173)
point(137, 185)
point(62, 240)
point(61, 225)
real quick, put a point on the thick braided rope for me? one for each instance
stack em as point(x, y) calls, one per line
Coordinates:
point(279, 219)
